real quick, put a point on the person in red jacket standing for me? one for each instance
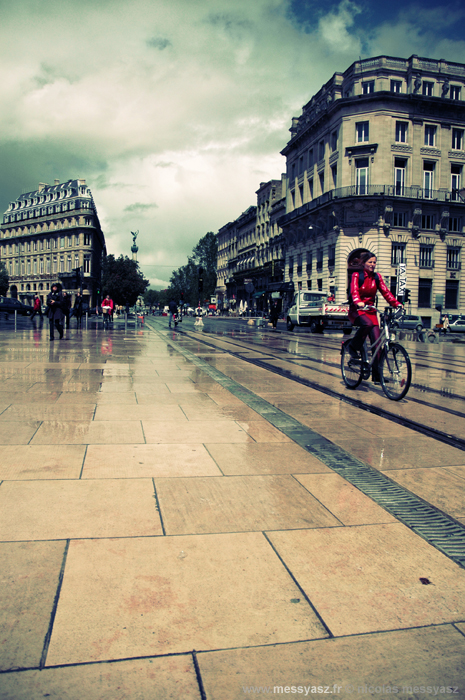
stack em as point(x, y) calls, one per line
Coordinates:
point(364, 284)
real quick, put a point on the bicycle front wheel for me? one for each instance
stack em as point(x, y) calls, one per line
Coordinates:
point(395, 372)
point(351, 368)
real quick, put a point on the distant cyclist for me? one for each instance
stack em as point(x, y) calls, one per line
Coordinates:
point(364, 284)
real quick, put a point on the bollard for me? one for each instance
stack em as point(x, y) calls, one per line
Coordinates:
point(125, 323)
point(87, 320)
point(16, 318)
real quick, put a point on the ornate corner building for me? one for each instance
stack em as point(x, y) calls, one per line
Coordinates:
point(53, 235)
point(376, 160)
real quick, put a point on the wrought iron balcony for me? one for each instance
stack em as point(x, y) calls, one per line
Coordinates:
point(415, 192)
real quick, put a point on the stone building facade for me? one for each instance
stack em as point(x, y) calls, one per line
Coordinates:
point(376, 161)
point(47, 236)
point(251, 251)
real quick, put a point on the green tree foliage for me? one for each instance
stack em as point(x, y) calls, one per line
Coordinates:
point(122, 280)
point(184, 280)
point(4, 279)
point(151, 298)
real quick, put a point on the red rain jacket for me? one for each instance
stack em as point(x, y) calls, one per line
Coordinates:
point(367, 293)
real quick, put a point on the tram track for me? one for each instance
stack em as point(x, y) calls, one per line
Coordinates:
point(240, 349)
point(435, 525)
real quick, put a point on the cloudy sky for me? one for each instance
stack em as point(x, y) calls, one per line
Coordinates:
point(175, 110)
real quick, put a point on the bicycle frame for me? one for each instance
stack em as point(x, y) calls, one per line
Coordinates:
point(382, 341)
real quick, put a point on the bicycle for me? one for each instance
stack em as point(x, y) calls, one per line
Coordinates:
point(395, 368)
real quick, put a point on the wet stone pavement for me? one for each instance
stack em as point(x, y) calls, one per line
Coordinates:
point(161, 538)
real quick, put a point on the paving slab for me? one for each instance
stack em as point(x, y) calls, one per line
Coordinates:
point(18, 432)
point(194, 400)
point(238, 412)
point(41, 461)
point(165, 678)
point(441, 488)
point(404, 453)
point(190, 432)
point(262, 431)
point(344, 500)
point(367, 578)
point(29, 574)
point(87, 432)
point(383, 666)
point(238, 504)
point(154, 412)
point(265, 458)
point(175, 594)
point(45, 411)
point(42, 510)
point(138, 461)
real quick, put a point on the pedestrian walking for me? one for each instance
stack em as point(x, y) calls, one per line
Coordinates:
point(66, 307)
point(55, 310)
point(77, 311)
point(445, 324)
point(107, 311)
point(173, 310)
point(198, 316)
point(274, 314)
point(37, 309)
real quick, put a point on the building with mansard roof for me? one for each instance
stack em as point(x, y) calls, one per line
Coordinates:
point(53, 234)
point(376, 161)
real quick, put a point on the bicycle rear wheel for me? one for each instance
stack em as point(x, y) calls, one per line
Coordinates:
point(351, 368)
point(395, 372)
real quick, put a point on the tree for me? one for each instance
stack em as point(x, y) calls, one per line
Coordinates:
point(205, 255)
point(151, 297)
point(4, 279)
point(122, 280)
point(185, 280)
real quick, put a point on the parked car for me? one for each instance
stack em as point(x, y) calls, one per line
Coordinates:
point(409, 323)
point(457, 326)
point(9, 306)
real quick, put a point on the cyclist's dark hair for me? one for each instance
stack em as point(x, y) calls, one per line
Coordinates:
point(358, 258)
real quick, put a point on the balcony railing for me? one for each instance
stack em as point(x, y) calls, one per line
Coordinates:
point(454, 265)
point(418, 193)
point(426, 264)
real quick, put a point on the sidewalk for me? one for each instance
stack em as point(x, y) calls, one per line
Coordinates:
point(160, 539)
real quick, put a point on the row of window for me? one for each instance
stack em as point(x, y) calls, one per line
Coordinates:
point(48, 197)
point(46, 225)
point(425, 256)
point(362, 182)
point(41, 266)
point(362, 135)
point(45, 244)
point(425, 290)
point(429, 170)
point(398, 255)
point(454, 92)
point(309, 261)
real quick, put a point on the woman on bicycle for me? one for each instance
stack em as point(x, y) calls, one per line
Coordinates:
point(364, 283)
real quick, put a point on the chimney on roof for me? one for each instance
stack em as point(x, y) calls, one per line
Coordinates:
point(57, 182)
point(42, 185)
point(82, 182)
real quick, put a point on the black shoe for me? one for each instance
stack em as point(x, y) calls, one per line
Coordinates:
point(376, 378)
point(355, 355)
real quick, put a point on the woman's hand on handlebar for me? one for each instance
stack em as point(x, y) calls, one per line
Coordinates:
point(360, 304)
